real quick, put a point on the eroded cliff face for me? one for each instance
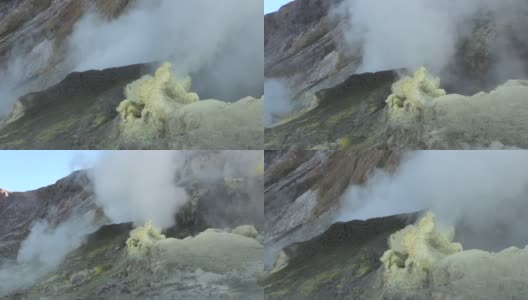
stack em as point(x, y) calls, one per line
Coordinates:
point(341, 262)
point(38, 31)
point(305, 49)
point(19, 209)
point(303, 191)
point(302, 44)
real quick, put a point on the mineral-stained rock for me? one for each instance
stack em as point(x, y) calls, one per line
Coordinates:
point(26, 25)
point(352, 110)
point(340, 263)
point(77, 113)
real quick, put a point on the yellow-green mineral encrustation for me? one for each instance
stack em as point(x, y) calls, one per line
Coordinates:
point(425, 256)
point(163, 107)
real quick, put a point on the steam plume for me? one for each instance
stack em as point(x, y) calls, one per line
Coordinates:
point(137, 186)
point(482, 193)
point(410, 34)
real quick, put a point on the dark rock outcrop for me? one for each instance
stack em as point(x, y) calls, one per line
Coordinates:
point(351, 110)
point(25, 24)
point(302, 44)
point(342, 262)
point(77, 113)
point(20, 209)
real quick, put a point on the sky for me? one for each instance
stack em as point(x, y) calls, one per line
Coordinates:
point(22, 171)
point(273, 5)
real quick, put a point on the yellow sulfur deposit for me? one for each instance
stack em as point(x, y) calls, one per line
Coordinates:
point(281, 262)
point(158, 95)
point(414, 251)
point(151, 101)
point(162, 108)
point(259, 171)
point(452, 121)
point(246, 230)
point(143, 239)
point(410, 94)
point(212, 250)
point(423, 257)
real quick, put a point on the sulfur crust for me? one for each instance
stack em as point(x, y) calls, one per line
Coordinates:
point(217, 124)
point(415, 250)
point(422, 256)
point(485, 120)
point(410, 94)
point(212, 250)
point(143, 239)
point(163, 108)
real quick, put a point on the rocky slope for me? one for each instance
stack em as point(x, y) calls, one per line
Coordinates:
point(101, 267)
point(78, 113)
point(341, 263)
point(305, 47)
point(32, 28)
point(301, 43)
point(352, 113)
point(19, 209)
point(303, 189)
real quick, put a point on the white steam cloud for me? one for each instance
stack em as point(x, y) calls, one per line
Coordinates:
point(224, 37)
point(44, 250)
point(414, 33)
point(221, 40)
point(277, 102)
point(137, 186)
point(19, 68)
point(482, 193)
point(192, 33)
